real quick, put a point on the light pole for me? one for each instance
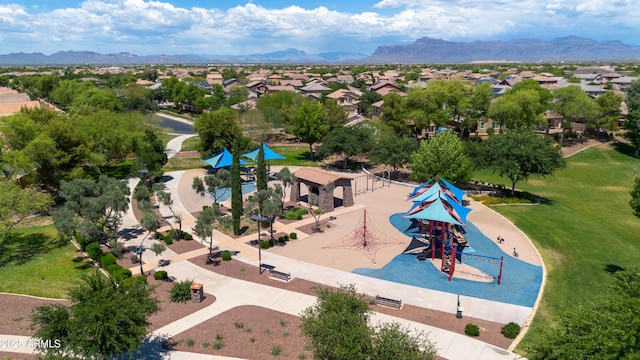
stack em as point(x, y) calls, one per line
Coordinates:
point(258, 220)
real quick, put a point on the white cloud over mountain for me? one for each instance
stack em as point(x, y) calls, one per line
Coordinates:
point(154, 27)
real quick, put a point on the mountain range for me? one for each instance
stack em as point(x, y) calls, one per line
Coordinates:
point(424, 50)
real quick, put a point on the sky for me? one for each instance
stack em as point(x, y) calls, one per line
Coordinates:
point(232, 27)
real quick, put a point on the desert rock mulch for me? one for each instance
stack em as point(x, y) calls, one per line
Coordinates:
point(489, 330)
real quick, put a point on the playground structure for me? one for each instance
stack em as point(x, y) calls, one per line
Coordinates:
point(369, 182)
point(364, 238)
point(438, 207)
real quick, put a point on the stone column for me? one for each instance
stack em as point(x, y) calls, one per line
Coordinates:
point(295, 192)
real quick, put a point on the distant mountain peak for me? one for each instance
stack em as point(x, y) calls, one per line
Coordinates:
point(568, 48)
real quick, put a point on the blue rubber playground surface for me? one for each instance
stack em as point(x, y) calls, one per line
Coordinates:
point(520, 283)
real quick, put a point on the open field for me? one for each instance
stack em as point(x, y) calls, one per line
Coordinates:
point(47, 267)
point(584, 227)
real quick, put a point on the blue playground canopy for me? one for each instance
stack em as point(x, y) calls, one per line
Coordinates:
point(268, 154)
point(222, 159)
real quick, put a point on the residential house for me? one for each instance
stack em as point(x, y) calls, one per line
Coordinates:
point(295, 83)
point(589, 79)
point(347, 99)
point(385, 87)
point(314, 90)
point(11, 102)
point(376, 108)
point(214, 78)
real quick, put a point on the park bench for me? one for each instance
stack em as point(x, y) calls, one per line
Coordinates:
point(396, 304)
point(279, 275)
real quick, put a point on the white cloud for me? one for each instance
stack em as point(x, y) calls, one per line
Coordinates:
point(387, 4)
point(159, 26)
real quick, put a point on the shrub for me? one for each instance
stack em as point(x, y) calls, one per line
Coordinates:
point(168, 240)
point(271, 242)
point(264, 244)
point(472, 330)
point(160, 275)
point(293, 236)
point(81, 240)
point(275, 350)
point(226, 256)
point(121, 274)
point(187, 236)
point(511, 330)
point(286, 238)
point(157, 235)
point(94, 250)
point(111, 269)
point(181, 291)
point(107, 259)
point(132, 280)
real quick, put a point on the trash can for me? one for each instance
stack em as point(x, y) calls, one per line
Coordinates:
point(459, 312)
point(196, 293)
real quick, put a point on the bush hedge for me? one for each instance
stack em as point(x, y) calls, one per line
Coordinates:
point(94, 250)
point(511, 330)
point(472, 330)
point(121, 274)
point(293, 236)
point(226, 256)
point(160, 275)
point(132, 280)
point(107, 259)
point(111, 269)
point(264, 244)
point(81, 240)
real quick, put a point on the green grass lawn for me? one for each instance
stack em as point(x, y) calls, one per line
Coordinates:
point(584, 228)
point(295, 156)
point(42, 266)
point(190, 144)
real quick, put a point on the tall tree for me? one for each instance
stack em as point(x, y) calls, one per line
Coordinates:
point(310, 123)
point(236, 189)
point(610, 111)
point(150, 155)
point(393, 151)
point(95, 208)
point(606, 328)
point(520, 154)
point(204, 224)
point(337, 328)
point(149, 222)
point(267, 203)
point(287, 179)
point(347, 142)
point(103, 321)
point(17, 204)
point(164, 198)
point(635, 197)
point(216, 184)
point(394, 114)
point(262, 179)
point(337, 325)
point(336, 115)
point(217, 130)
point(442, 155)
point(573, 105)
point(632, 122)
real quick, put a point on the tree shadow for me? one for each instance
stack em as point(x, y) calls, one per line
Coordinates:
point(152, 348)
point(613, 268)
point(19, 249)
point(624, 148)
